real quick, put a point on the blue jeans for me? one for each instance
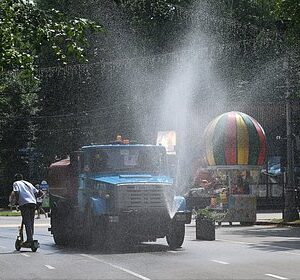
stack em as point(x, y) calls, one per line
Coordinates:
point(28, 212)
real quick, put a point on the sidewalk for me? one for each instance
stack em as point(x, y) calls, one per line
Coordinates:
point(273, 218)
point(268, 215)
point(15, 221)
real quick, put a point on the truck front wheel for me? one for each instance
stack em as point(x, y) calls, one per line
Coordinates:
point(95, 229)
point(60, 238)
point(59, 233)
point(175, 235)
point(59, 225)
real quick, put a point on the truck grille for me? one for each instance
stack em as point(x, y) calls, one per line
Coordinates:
point(141, 196)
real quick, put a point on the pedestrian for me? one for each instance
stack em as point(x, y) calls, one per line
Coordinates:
point(25, 195)
point(39, 202)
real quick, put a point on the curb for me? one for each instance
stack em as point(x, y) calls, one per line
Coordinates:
point(269, 223)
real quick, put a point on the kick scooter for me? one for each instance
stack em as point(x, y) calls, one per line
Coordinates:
point(34, 245)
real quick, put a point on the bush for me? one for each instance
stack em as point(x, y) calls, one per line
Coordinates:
point(210, 214)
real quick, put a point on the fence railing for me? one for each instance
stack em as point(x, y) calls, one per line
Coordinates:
point(271, 196)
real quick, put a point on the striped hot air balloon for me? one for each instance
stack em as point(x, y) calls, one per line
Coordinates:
point(234, 138)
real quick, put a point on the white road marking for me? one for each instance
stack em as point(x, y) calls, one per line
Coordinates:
point(25, 255)
point(221, 262)
point(276, 276)
point(262, 245)
point(117, 267)
point(49, 266)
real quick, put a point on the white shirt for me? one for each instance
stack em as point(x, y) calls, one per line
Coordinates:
point(26, 192)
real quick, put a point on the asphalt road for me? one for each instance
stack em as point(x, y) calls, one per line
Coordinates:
point(257, 252)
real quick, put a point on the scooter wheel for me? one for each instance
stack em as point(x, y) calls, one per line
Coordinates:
point(35, 245)
point(18, 245)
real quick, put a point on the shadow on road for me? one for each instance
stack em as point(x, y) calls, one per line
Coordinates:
point(270, 238)
point(137, 248)
point(269, 231)
point(275, 246)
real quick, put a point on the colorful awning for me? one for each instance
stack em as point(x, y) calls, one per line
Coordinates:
point(234, 138)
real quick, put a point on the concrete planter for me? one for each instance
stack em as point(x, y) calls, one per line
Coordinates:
point(205, 229)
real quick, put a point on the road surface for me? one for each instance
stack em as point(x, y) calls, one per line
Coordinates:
point(257, 252)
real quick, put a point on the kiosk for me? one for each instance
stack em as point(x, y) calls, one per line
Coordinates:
point(235, 151)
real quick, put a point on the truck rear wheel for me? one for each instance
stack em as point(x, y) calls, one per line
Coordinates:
point(175, 236)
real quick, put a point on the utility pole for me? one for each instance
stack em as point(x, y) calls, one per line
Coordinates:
point(290, 212)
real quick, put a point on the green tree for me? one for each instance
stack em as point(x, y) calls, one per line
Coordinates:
point(289, 10)
point(25, 30)
point(160, 24)
point(27, 35)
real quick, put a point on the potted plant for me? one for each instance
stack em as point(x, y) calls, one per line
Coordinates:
point(205, 223)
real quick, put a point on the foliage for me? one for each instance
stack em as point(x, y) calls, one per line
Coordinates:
point(25, 30)
point(28, 35)
point(245, 30)
point(10, 213)
point(149, 11)
point(159, 24)
point(18, 104)
point(289, 10)
point(246, 39)
point(253, 21)
point(210, 214)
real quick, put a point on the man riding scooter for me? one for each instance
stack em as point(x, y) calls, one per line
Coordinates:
point(25, 195)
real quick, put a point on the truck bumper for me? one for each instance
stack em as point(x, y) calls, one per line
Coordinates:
point(180, 216)
point(144, 226)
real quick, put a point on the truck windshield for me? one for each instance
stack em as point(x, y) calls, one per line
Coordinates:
point(128, 159)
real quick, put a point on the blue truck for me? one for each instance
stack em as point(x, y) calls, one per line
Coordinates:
point(119, 192)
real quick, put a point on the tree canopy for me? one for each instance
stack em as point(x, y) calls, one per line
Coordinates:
point(25, 30)
point(28, 35)
point(98, 94)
